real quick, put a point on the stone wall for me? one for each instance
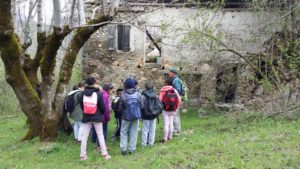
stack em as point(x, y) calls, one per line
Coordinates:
point(115, 66)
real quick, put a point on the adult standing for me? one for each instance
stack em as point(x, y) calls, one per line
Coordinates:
point(173, 77)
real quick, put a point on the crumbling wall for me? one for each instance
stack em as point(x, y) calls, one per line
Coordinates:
point(114, 65)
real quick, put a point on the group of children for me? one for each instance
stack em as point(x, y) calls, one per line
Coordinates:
point(92, 111)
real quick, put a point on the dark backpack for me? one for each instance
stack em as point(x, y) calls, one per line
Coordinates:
point(153, 107)
point(115, 106)
point(132, 107)
point(69, 104)
point(170, 100)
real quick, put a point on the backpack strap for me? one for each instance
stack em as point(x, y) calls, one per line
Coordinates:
point(167, 92)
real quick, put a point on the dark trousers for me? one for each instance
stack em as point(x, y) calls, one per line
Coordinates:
point(116, 133)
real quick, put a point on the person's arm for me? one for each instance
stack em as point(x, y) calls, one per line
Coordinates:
point(107, 108)
point(177, 85)
point(80, 100)
point(101, 106)
point(142, 101)
point(161, 95)
point(121, 104)
point(179, 97)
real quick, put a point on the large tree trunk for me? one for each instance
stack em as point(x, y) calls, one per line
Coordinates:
point(48, 63)
point(57, 118)
point(44, 115)
point(11, 52)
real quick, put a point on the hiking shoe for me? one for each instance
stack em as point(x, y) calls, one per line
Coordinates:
point(123, 152)
point(106, 157)
point(83, 158)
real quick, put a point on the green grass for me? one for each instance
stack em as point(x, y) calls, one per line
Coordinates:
point(244, 140)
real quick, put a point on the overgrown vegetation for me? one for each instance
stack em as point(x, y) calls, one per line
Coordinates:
point(246, 140)
point(9, 105)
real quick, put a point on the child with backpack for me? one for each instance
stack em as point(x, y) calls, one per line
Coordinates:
point(171, 101)
point(92, 105)
point(130, 105)
point(151, 108)
point(118, 115)
point(76, 114)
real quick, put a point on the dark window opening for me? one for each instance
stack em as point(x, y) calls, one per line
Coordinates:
point(124, 38)
point(119, 38)
point(265, 67)
point(226, 85)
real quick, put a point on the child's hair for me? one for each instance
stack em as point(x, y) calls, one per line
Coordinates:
point(81, 84)
point(149, 85)
point(168, 81)
point(119, 91)
point(75, 87)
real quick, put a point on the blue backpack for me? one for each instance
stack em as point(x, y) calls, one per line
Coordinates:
point(132, 107)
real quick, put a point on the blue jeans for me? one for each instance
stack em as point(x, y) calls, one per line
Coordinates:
point(129, 128)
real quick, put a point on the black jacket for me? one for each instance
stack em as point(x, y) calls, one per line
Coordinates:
point(97, 117)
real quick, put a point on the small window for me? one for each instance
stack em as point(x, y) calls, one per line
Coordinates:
point(119, 38)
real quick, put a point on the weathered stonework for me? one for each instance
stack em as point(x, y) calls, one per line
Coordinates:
point(115, 66)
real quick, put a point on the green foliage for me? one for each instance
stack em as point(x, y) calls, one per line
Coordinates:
point(245, 140)
point(266, 84)
point(8, 101)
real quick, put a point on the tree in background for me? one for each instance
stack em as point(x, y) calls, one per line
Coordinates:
point(44, 115)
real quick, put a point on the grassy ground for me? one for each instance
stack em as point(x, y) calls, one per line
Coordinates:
point(214, 141)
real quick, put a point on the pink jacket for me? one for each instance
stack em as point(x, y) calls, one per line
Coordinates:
point(106, 115)
point(165, 89)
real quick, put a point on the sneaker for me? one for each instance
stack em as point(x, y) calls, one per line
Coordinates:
point(83, 158)
point(131, 152)
point(106, 157)
point(123, 152)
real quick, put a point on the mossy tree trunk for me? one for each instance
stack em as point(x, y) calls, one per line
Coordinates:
point(11, 53)
point(48, 64)
point(45, 115)
point(81, 36)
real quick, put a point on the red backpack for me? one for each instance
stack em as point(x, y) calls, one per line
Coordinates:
point(170, 100)
point(90, 104)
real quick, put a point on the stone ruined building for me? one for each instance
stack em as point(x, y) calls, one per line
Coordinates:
point(142, 44)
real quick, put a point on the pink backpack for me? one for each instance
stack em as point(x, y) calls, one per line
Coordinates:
point(90, 104)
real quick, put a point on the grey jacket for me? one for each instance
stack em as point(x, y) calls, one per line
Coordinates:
point(76, 115)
